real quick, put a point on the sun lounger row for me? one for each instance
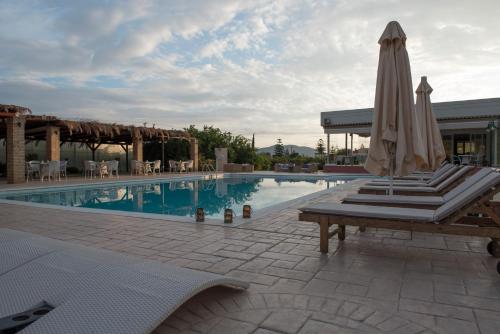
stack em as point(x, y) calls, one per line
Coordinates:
point(460, 204)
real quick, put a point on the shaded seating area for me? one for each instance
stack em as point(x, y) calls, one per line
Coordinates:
point(18, 125)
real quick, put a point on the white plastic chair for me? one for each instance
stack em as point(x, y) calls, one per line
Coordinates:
point(137, 167)
point(90, 168)
point(157, 167)
point(172, 166)
point(188, 165)
point(113, 167)
point(103, 169)
point(51, 170)
point(32, 168)
point(63, 165)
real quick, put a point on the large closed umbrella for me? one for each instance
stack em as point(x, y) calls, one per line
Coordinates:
point(429, 129)
point(392, 147)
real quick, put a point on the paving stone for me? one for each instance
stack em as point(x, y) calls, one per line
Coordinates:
point(385, 289)
point(347, 308)
point(280, 256)
point(285, 321)
point(229, 326)
point(418, 289)
point(225, 266)
point(392, 324)
point(265, 331)
point(288, 273)
point(362, 313)
point(253, 277)
point(313, 326)
point(344, 277)
point(251, 316)
point(436, 309)
point(488, 322)
point(256, 265)
point(322, 287)
point(352, 289)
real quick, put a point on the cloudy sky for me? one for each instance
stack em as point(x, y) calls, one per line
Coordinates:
point(263, 67)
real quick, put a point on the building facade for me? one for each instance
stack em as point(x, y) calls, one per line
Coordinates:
point(468, 127)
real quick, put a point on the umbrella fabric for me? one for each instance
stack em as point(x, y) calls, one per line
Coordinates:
point(428, 128)
point(393, 114)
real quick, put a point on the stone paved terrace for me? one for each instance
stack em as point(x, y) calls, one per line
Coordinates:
point(378, 281)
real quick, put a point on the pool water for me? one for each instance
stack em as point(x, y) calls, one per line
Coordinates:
point(180, 198)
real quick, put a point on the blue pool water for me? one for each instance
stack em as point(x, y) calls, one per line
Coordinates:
point(180, 198)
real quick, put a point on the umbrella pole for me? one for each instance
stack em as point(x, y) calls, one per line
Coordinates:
point(391, 176)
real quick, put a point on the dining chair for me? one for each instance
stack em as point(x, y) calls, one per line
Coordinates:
point(90, 168)
point(172, 166)
point(157, 167)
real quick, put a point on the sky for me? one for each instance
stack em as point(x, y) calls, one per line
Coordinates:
point(263, 67)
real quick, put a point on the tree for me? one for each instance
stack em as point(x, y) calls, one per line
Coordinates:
point(279, 149)
point(239, 148)
point(253, 141)
point(320, 148)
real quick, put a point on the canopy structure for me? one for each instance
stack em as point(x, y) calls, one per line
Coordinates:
point(18, 124)
point(83, 131)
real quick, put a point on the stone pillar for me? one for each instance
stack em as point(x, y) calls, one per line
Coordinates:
point(137, 148)
point(193, 153)
point(53, 150)
point(221, 159)
point(15, 149)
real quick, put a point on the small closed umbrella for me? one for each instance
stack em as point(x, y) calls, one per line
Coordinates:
point(428, 127)
point(392, 148)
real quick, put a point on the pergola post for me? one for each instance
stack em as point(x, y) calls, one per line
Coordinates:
point(137, 148)
point(162, 153)
point(327, 148)
point(53, 150)
point(193, 152)
point(15, 149)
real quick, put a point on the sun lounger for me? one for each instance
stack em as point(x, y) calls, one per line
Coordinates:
point(424, 176)
point(422, 202)
point(445, 185)
point(432, 182)
point(90, 290)
point(453, 217)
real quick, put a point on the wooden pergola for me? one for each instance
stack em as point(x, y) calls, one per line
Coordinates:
point(18, 124)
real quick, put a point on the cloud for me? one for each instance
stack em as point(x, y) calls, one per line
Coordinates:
point(264, 67)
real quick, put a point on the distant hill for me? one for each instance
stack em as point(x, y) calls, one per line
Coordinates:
point(302, 150)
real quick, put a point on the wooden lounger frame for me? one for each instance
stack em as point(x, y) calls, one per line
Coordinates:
point(486, 223)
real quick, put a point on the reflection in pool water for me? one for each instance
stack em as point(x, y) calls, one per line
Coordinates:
point(181, 198)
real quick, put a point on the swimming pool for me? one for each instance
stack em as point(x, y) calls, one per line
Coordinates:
point(180, 197)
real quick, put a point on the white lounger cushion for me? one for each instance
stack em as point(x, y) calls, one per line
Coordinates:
point(421, 200)
point(408, 214)
point(92, 290)
point(370, 211)
point(396, 199)
point(470, 181)
point(468, 195)
point(414, 179)
point(430, 183)
point(447, 180)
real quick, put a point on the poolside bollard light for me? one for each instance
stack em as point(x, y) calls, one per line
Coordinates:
point(228, 216)
point(200, 215)
point(247, 211)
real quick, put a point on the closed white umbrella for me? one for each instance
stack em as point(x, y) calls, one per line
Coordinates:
point(429, 130)
point(392, 148)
